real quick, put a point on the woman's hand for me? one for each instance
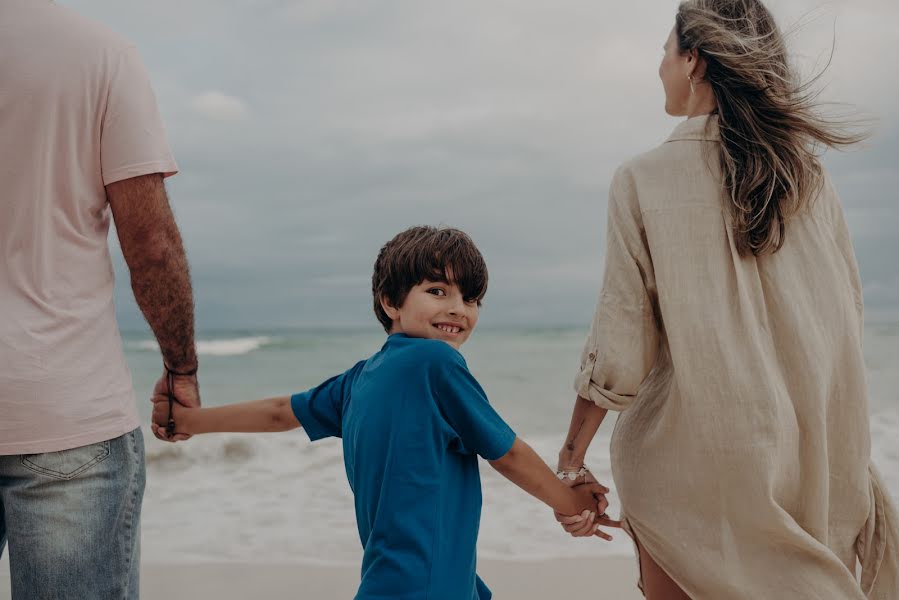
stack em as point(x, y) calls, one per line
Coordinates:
point(585, 525)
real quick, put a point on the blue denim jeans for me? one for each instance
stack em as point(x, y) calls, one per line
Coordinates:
point(72, 520)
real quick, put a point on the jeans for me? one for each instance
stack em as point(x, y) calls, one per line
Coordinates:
point(72, 520)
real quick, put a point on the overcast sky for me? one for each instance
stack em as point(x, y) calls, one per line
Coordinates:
point(310, 132)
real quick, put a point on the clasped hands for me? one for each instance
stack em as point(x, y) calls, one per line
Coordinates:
point(588, 522)
point(186, 392)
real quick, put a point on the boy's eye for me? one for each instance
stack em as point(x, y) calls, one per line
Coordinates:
point(437, 292)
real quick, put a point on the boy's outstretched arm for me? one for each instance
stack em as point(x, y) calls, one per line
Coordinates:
point(269, 415)
point(524, 467)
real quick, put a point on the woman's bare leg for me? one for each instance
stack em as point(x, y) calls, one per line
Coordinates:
point(656, 583)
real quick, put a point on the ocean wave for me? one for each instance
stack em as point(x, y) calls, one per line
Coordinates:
point(223, 347)
point(246, 497)
point(232, 497)
point(268, 488)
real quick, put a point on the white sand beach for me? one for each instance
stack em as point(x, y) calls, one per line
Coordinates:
point(610, 578)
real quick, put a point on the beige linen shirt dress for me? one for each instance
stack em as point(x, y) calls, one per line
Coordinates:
point(742, 450)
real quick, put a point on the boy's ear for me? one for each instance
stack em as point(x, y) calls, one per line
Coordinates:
point(391, 310)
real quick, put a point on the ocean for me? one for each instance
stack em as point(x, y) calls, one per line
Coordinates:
point(252, 497)
point(277, 497)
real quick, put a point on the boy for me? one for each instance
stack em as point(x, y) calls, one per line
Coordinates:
point(413, 421)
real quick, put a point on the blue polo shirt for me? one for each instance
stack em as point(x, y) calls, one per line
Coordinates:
point(413, 422)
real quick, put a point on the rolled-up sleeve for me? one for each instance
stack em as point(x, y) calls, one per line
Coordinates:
point(624, 338)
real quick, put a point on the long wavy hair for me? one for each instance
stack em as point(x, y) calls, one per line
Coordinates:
point(771, 131)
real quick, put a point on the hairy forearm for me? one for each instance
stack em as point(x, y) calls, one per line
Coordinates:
point(154, 252)
point(259, 416)
point(524, 467)
point(585, 421)
point(161, 285)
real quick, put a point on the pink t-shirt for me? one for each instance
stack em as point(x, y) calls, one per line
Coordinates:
point(76, 113)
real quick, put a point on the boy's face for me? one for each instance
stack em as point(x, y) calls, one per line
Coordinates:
point(435, 310)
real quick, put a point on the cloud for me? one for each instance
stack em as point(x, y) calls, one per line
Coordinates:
point(349, 121)
point(218, 106)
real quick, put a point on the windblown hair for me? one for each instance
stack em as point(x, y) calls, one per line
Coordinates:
point(771, 131)
point(434, 253)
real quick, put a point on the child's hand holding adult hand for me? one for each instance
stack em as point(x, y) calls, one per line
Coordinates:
point(161, 416)
point(186, 392)
point(591, 496)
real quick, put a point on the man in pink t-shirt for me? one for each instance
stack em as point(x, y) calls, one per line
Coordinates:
point(82, 142)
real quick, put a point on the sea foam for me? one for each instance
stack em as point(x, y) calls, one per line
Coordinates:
point(244, 497)
point(223, 347)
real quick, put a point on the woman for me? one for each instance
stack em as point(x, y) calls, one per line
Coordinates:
point(728, 334)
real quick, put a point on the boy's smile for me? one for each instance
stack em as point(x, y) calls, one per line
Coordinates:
point(435, 310)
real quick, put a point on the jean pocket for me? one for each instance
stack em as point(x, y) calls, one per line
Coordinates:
point(67, 464)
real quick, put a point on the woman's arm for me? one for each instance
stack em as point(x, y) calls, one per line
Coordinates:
point(270, 415)
point(523, 467)
point(585, 421)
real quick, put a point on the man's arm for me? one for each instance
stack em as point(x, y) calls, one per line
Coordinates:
point(258, 416)
point(160, 278)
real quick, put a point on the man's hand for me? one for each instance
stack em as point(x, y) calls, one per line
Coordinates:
point(186, 392)
point(160, 418)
